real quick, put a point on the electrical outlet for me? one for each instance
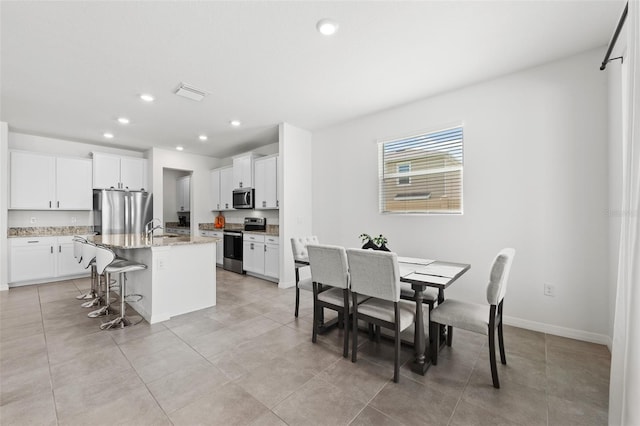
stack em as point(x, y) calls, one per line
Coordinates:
point(160, 264)
point(73, 220)
point(32, 220)
point(549, 290)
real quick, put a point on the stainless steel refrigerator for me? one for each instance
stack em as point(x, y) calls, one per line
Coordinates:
point(119, 211)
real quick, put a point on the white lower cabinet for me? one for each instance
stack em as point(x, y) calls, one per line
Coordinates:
point(219, 244)
point(260, 255)
point(41, 259)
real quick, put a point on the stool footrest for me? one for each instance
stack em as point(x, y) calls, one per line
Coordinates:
point(133, 298)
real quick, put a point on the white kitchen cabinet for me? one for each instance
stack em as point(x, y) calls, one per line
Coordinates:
point(219, 244)
point(215, 189)
point(32, 258)
point(266, 182)
point(115, 171)
point(226, 188)
point(183, 197)
point(260, 255)
point(44, 182)
point(38, 259)
point(272, 257)
point(243, 171)
point(66, 264)
point(222, 189)
point(253, 253)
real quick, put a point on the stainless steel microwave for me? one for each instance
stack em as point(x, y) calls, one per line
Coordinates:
point(243, 198)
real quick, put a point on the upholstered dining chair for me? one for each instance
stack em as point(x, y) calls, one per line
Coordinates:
point(330, 270)
point(375, 274)
point(301, 260)
point(478, 318)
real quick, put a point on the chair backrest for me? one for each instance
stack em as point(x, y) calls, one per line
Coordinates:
point(329, 265)
point(499, 275)
point(104, 256)
point(299, 247)
point(374, 273)
point(88, 253)
point(77, 247)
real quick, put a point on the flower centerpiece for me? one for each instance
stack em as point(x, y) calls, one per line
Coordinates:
point(374, 243)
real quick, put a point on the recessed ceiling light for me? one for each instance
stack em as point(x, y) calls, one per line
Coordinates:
point(203, 137)
point(235, 123)
point(179, 148)
point(146, 97)
point(108, 135)
point(327, 27)
point(123, 120)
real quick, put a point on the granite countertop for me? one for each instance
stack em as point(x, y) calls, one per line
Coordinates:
point(136, 241)
point(272, 230)
point(49, 231)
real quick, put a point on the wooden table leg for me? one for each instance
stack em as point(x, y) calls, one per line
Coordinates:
point(421, 363)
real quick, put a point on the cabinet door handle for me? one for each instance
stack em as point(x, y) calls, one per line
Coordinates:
point(49, 204)
point(34, 241)
point(58, 204)
point(51, 249)
point(59, 249)
point(265, 248)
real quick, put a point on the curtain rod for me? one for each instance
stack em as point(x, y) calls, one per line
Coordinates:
point(615, 38)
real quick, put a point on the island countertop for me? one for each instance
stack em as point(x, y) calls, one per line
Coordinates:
point(137, 241)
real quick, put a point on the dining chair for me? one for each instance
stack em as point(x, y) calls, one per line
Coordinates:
point(475, 317)
point(330, 273)
point(375, 274)
point(301, 260)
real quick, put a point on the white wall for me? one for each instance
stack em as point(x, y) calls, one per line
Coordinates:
point(614, 72)
point(200, 182)
point(295, 166)
point(535, 179)
point(4, 204)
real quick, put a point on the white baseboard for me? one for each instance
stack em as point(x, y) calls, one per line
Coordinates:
point(4, 287)
point(556, 330)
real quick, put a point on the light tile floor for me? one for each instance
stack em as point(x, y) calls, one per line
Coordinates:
point(249, 361)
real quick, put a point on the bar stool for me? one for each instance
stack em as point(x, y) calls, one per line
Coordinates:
point(106, 266)
point(77, 253)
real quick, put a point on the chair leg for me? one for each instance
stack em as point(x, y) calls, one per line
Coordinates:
point(345, 318)
point(297, 299)
point(396, 361)
point(377, 334)
point(434, 329)
point(354, 331)
point(492, 358)
point(449, 335)
point(503, 357)
point(371, 334)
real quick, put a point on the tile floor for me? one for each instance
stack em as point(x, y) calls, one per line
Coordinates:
point(249, 361)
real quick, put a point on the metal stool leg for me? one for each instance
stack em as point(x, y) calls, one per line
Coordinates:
point(106, 309)
point(121, 321)
point(95, 298)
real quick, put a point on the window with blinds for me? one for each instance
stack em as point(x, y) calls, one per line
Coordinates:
point(422, 174)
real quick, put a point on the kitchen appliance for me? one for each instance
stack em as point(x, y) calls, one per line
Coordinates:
point(232, 259)
point(120, 211)
point(182, 221)
point(243, 198)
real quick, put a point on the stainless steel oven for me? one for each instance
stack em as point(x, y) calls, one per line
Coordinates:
point(232, 259)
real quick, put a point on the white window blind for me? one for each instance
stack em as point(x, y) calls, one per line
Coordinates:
point(422, 174)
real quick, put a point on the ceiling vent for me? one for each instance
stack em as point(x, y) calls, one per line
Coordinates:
point(190, 92)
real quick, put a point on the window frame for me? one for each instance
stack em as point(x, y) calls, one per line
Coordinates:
point(384, 189)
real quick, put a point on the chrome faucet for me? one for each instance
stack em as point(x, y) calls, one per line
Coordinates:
point(149, 227)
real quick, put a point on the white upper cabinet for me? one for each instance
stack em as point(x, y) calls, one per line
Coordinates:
point(266, 182)
point(243, 171)
point(183, 187)
point(226, 188)
point(44, 182)
point(215, 189)
point(114, 171)
point(222, 189)
point(73, 184)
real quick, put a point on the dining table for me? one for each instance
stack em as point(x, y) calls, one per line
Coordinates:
point(420, 274)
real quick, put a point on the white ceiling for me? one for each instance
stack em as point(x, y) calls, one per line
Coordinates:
point(69, 69)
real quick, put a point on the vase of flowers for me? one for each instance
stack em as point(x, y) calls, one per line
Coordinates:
point(374, 243)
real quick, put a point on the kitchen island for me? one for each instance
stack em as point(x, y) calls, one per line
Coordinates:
point(180, 275)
